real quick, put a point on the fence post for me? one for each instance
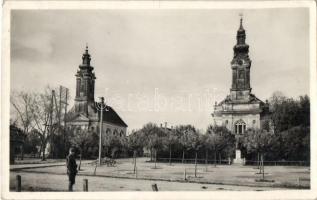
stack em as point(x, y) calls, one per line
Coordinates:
point(136, 172)
point(85, 185)
point(18, 183)
point(298, 182)
point(154, 187)
point(185, 174)
point(96, 167)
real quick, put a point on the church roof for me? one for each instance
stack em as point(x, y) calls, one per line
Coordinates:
point(252, 99)
point(109, 115)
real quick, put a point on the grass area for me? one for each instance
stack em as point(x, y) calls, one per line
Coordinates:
point(234, 175)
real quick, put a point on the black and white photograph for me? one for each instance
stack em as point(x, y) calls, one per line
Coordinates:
point(159, 99)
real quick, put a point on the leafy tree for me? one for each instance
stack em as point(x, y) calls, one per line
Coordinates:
point(148, 130)
point(225, 141)
point(31, 145)
point(196, 144)
point(169, 141)
point(259, 141)
point(185, 134)
point(154, 137)
point(207, 145)
point(296, 143)
point(288, 112)
point(219, 140)
point(304, 111)
point(136, 144)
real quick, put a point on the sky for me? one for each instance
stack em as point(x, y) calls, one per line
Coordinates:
point(160, 65)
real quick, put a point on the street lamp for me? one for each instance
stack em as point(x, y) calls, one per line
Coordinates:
point(101, 106)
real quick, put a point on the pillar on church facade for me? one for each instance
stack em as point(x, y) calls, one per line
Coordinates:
point(77, 86)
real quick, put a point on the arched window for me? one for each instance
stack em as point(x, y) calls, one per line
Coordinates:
point(240, 127)
point(115, 132)
point(108, 131)
point(121, 133)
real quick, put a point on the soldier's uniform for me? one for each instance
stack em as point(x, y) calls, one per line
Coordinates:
point(71, 170)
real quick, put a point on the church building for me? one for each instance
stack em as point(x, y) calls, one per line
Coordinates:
point(240, 110)
point(85, 115)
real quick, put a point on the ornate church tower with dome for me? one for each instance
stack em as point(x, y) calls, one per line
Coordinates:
point(84, 116)
point(240, 110)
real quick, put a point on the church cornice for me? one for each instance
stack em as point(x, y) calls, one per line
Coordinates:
point(238, 112)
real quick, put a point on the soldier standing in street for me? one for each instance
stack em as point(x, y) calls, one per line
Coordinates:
point(71, 168)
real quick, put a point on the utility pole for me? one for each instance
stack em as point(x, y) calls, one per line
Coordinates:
point(65, 114)
point(51, 123)
point(60, 107)
point(101, 106)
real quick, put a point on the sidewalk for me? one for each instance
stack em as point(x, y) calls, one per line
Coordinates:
point(43, 165)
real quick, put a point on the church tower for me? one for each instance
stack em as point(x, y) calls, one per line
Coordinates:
point(85, 85)
point(240, 65)
point(240, 110)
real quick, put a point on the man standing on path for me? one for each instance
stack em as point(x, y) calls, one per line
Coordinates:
point(71, 168)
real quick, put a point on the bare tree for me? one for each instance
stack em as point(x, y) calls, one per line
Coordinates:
point(22, 103)
point(44, 120)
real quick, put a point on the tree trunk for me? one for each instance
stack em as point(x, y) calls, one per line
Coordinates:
point(151, 154)
point(258, 162)
point(155, 158)
point(196, 165)
point(43, 152)
point(22, 151)
point(220, 158)
point(262, 158)
point(206, 161)
point(183, 156)
point(170, 155)
point(215, 158)
point(39, 153)
point(134, 158)
point(80, 159)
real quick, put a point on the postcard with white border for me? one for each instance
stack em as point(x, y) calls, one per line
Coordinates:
point(158, 100)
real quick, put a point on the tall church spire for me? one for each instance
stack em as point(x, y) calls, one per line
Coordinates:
point(241, 20)
point(86, 57)
point(241, 33)
point(240, 64)
point(85, 84)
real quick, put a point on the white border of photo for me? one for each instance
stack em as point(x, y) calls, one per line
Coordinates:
point(100, 5)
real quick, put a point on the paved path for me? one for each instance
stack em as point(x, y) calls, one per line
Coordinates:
point(53, 182)
point(229, 176)
point(42, 165)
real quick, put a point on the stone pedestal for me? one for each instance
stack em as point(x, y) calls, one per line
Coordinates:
point(238, 159)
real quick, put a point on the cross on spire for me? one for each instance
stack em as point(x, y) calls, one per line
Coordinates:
point(241, 20)
point(86, 47)
point(86, 56)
